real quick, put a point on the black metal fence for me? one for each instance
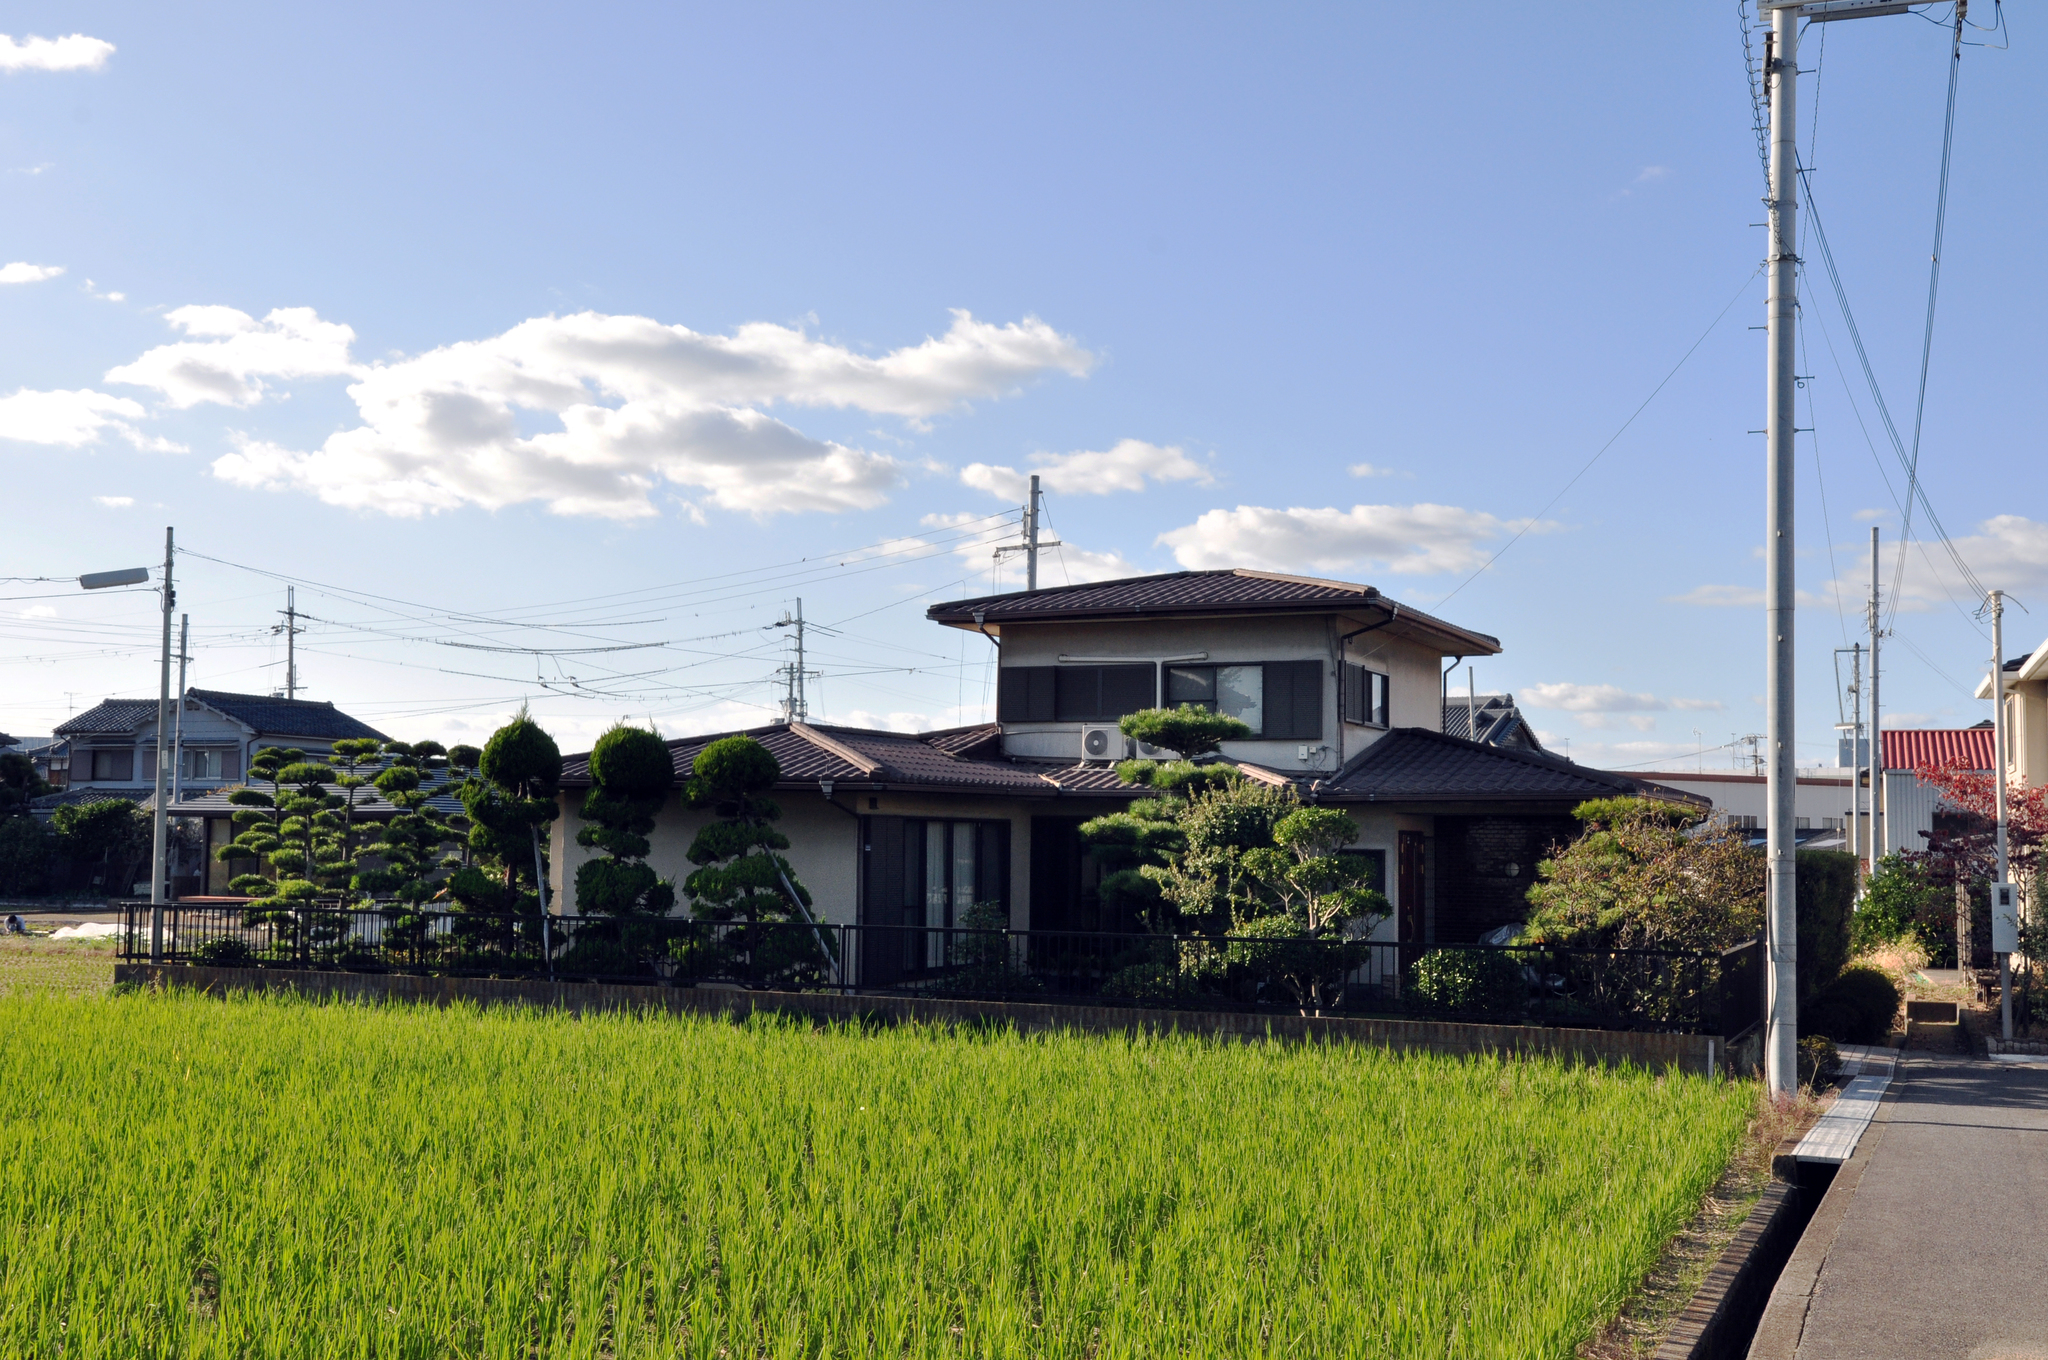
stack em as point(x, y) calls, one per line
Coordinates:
point(1519, 984)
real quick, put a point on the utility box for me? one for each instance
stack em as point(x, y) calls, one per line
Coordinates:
point(2005, 919)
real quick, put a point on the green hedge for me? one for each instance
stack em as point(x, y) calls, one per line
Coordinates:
point(1856, 1008)
point(1826, 905)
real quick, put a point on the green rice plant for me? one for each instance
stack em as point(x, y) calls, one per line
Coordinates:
point(193, 1177)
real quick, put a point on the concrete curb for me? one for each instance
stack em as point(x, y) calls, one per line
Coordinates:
point(1715, 1324)
point(1687, 1052)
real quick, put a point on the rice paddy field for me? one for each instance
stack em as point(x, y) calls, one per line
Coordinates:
point(194, 1177)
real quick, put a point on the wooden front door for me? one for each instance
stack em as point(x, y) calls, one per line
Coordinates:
point(1409, 888)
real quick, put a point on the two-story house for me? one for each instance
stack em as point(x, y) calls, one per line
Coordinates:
point(113, 750)
point(1342, 687)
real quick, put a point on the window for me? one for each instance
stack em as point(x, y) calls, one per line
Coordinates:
point(926, 875)
point(1365, 696)
point(1235, 691)
point(213, 764)
point(113, 765)
point(1073, 693)
point(1278, 700)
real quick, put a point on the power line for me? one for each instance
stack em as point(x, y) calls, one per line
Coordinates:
point(1538, 516)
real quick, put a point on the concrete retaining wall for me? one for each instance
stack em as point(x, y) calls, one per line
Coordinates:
point(1688, 1052)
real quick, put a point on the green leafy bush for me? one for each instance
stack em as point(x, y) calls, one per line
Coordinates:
point(224, 951)
point(1468, 981)
point(1825, 900)
point(1900, 903)
point(28, 851)
point(1856, 1008)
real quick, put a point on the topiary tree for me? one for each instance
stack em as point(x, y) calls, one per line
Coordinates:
point(741, 875)
point(19, 783)
point(1189, 731)
point(409, 844)
point(1309, 906)
point(258, 816)
point(508, 793)
point(305, 850)
point(631, 773)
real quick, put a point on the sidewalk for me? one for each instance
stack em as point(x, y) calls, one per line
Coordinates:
point(1931, 1240)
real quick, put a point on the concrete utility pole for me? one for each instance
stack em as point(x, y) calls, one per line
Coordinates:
point(1781, 79)
point(1876, 735)
point(161, 842)
point(1031, 537)
point(291, 630)
point(2004, 874)
point(178, 721)
point(794, 706)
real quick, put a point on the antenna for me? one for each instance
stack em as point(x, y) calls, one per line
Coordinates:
point(291, 630)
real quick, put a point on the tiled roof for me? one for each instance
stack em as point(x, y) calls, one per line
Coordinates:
point(50, 802)
point(1498, 717)
point(808, 753)
point(1413, 764)
point(286, 717)
point(1234, 591)
point(1923, 748)
point(109, 716)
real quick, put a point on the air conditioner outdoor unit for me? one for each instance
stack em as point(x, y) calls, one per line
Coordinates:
point(1104, 742)
point(1153, 752)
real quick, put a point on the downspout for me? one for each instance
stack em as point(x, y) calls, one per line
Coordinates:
point(1444, 695)
point(1392, 616)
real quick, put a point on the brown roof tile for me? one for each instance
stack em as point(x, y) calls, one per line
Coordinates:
point(1415, 765)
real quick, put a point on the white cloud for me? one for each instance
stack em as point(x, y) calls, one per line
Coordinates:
point(115, 502)
point(1375, 470)
point(1650, 174)
point(1603, 707)
point(1588, 698)
point(1409, 539)
point(75, 53)
point(93, 290)
point(234, 353)
point(1086, 472)
point(1871, 516)
point(640, 405)
point(23, 272)
point(39, 611)
point(69, 418)
point(1741, 597)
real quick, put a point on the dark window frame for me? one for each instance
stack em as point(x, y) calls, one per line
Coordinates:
point(1367, 696)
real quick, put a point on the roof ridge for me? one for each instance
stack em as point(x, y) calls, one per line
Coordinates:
point(1370, 592)
point(867, 765)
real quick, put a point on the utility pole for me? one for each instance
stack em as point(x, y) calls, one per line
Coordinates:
point(1856, 748)
point(1781, 79)
point(1876, 767)
point(794, 706)
point(291, 630)
point(1031, 544)
point(161, 840)
point(2002, 877)
point(178, 721)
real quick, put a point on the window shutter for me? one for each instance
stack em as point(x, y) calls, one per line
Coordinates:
point(1024, 694)
point(1356, 698)
point(1127, 689)
point(1294, 701)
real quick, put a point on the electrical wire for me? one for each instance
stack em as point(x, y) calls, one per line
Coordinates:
point(1537, 518)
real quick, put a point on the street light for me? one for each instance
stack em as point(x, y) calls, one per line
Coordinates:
point(160, 844)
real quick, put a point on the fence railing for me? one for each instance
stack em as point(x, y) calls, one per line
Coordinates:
point(1518, 984)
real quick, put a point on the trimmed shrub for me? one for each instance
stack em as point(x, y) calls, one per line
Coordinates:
point(224, 951)
point(1826, 903)
point(28, 852)
point(1856, 1008)
point(1463, 981)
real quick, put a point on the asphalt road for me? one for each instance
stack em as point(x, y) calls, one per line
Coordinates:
point(1934, 1238)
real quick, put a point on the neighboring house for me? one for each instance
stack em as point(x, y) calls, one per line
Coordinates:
point(113, 747)
point(1910, 806)
point(1491, 720)
point(2026, 717)
point(1342, 689)
point(51, 757)
point(1820, 802)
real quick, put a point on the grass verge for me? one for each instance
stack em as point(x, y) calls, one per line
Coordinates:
point(263, 1176)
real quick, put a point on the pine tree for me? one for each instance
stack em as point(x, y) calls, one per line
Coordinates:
point(507, 794)
point(631, 773)
point(409, 843)
point(742, 876)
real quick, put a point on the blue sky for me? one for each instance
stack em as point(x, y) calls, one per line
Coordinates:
point(542, 333)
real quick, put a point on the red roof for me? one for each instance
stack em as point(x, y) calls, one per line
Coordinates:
point(1915, 749)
